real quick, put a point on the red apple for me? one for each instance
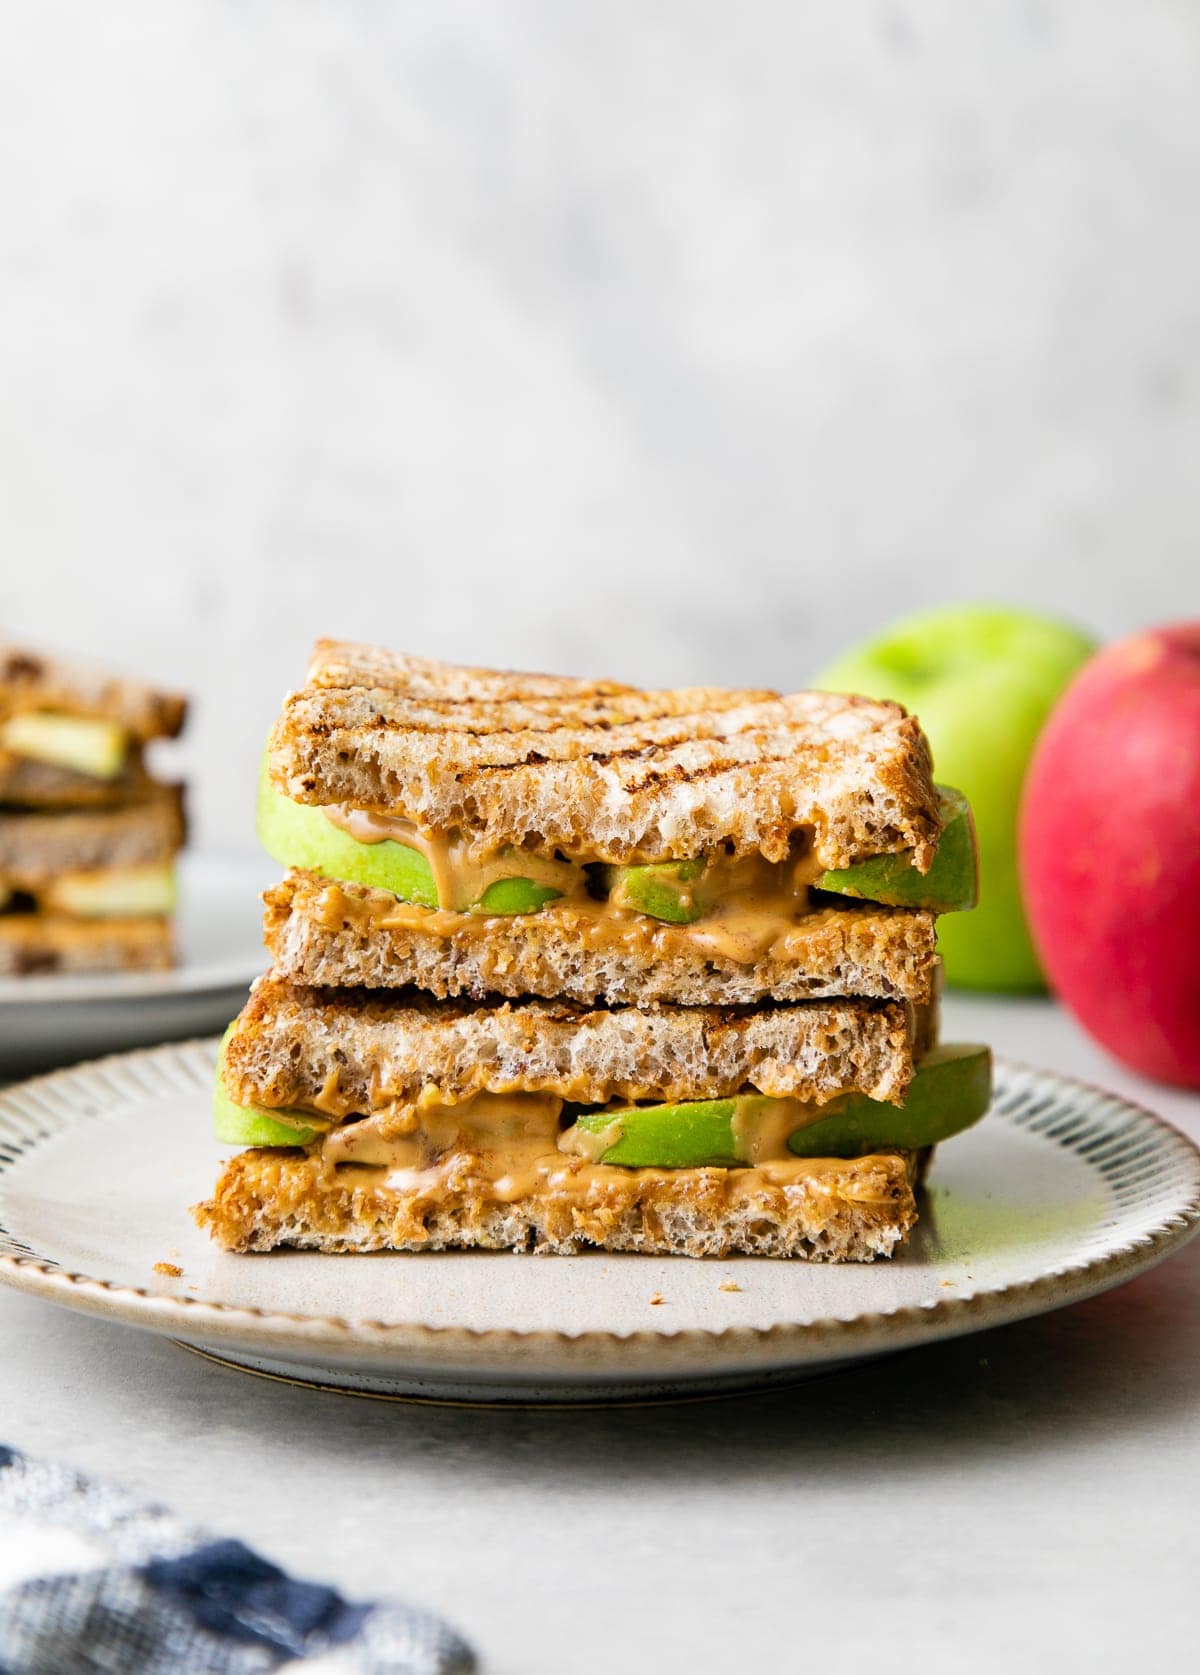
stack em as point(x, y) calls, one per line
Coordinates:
point(1110, 850)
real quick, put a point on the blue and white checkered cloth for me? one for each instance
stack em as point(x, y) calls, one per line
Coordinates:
point(93, 1579)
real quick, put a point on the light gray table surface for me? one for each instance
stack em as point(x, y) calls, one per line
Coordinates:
point(1024, 1498)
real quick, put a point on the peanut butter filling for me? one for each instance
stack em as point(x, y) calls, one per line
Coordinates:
point(742, 931)
point(461, 872)
point(510, 1146)
point(746, 903)
point(576, 1184)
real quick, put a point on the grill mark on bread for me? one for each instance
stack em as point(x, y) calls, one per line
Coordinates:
point(470, 716)
point(676, 773)
point(535, 756)
point(685, 726)
point(669, 774)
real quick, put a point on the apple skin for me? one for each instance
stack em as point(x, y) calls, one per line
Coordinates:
point(1110, 851)
point(982, 680)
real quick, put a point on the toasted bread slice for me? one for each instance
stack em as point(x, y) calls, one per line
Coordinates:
point(351, 1052)
point(37, 846)
point(25, 783)
point(34, 944)
point(31, 680)
point(602, 771)
point(821, 1209)
point(322, 931)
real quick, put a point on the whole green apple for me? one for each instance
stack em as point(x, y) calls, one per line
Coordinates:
point(982, 681)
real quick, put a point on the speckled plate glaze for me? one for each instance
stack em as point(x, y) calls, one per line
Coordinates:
point(59, 1019)
point(1060, 1193)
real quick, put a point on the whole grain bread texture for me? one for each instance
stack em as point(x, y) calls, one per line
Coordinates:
point(34, 680)
point(819, 1209)
point(347, 1052)
point(325, 932)
point(36, 846)
point(37, 944)
point(25, 783)
point(604, 771)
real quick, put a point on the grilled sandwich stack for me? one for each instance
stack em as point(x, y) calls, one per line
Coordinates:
point(562, 964)
point(88, 837)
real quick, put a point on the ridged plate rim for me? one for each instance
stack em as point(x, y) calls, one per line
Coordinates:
point(26, 1107)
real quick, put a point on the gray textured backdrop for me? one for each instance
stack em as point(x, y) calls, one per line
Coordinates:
point(678, 341)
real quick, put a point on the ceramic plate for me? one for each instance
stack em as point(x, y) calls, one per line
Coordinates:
point(1061, 1192)
point(60, 1019)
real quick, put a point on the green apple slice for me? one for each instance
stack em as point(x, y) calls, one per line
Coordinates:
point(659, 889)
point(297, 835)
point(89, 746)
point(950, 886)
point(950, 1090)
point(146, 892)
point(256, 1125)
point(685, 1136)
point(253, 1125)
point(514, 895)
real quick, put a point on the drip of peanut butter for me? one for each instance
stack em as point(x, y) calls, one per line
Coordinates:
point(742, 933)
point(754, 902)
point(761, 1127)
point(516, 1137)
point(461, 871)
point(574, 1183)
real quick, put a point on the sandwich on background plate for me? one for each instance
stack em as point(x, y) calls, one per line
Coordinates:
point(564, 964)
point(88, 838)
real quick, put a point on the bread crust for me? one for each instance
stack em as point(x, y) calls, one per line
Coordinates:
point(604, 771)
point(35, 846)
point(26, 784)
point(820, 1210)
point(322, 931)
point(350, 1051)
point(37, 944)
point(33, 680)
